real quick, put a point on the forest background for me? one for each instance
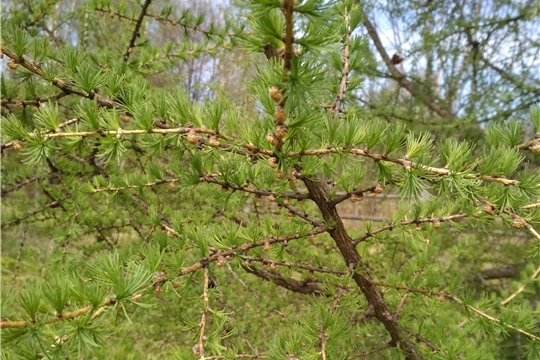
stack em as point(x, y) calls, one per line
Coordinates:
point(270, 179)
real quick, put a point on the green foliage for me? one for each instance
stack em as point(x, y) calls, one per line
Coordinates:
point(187, 184)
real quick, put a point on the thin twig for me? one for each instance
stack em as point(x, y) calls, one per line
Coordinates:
point(136, 33)
point(508, 299)
point(203, 316)
point(183, 53)
point(322, 342)
point(530, 206)
point(21, 245)
point(50, 205)
point(65, 86)
point(39, 15)
point(419, 221)
point(291, 265)
point(237, 356)
point(162, 19)
point(235, 275)
point(445, 295)
point(336, 109)
point(365, 354)
point(60, 317)
point(33, 102)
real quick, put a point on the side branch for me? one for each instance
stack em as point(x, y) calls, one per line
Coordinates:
point(307, 286)
point(392, 225)
point(226, 185)
point(181, 130)
point(50, 205)
point(307, 267)
point(245, 247)
point(33, 102)
point(136, 33)
point(405, 163)
point(336, 109)
point(67, 316)
point(61, 84)
point(444, 295)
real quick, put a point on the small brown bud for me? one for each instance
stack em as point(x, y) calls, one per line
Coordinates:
point(356, 198)
point(272, 139)
point(312, 239)
point(19, 105)
point(280, 116)
point(442, 299)
point(281, 131)
point(172, 185)
point(378, 189)
point(157, 288)
point(488, 209)
point(536, 148)
point(1, 55)
point(221, 261)
point(273, 162)
point(111, 14)
point(213, 141)
point(290, 213)
point(176, 283)
point(436, 224)
point(17, 146)
point(192, 137)
point(517, 223)
point(281, 175)
point(224, 188)
point(397, 59)
point(286, 202)
point(275, 94)
point(273, 266)
point(101, 13)
point(419, 227)
point(292, 183)
point(272, 198)
point(373, 194)
point(35, 108)
point(124, 117)
point(12, 64)
point(266, 247)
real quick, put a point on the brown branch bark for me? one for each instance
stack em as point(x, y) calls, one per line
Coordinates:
point(353, 261)
point(288, 10)
point(61, 84)
point(307, 286)
point(136, 30)
point(57, 318)
point(38, 15)
point(345, 63)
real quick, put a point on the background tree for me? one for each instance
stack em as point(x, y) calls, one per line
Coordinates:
point(151, 208)
point(453, 63)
